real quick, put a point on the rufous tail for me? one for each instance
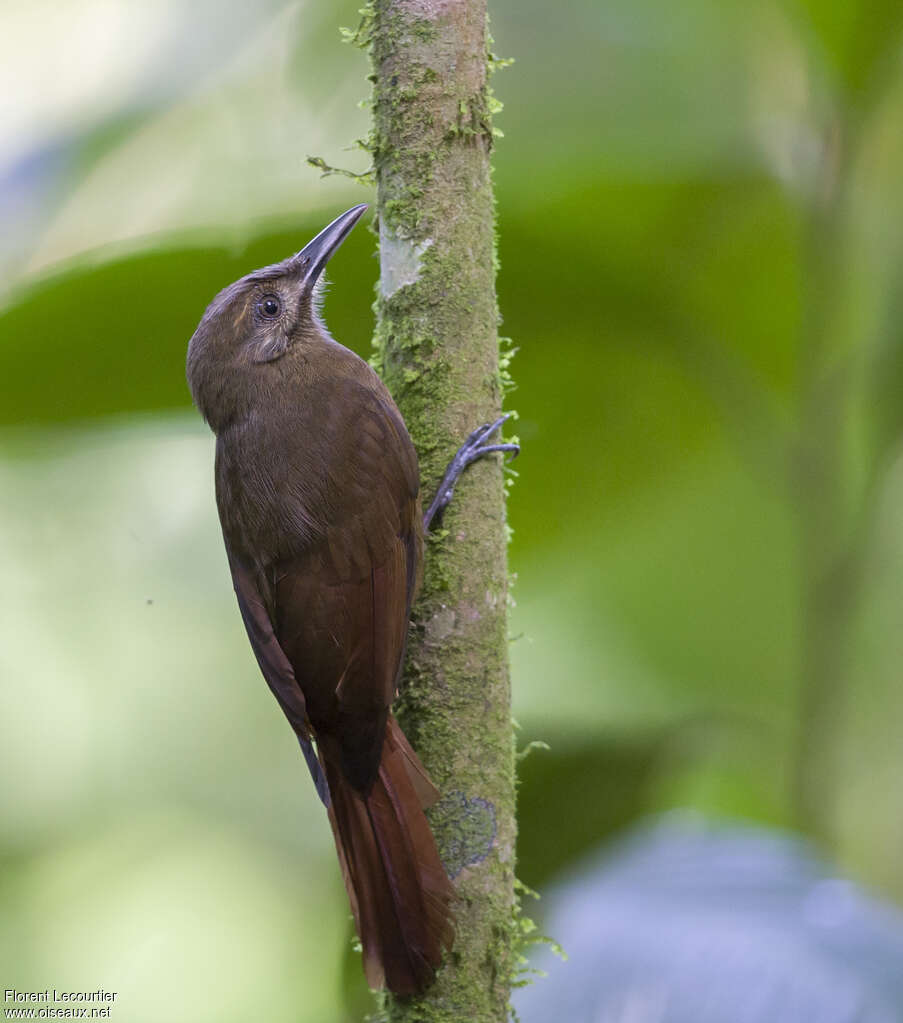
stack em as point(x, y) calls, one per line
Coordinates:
point(399, 891)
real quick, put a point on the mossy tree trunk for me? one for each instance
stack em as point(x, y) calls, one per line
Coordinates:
point(437, 348)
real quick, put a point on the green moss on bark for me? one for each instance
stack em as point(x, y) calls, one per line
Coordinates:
point(437, 347)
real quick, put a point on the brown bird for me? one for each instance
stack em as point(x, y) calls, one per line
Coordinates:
point(317, 487)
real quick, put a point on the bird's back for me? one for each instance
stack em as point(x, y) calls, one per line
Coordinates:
point(328, 519)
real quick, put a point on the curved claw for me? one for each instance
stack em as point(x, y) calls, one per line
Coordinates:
point(487, 448)
point(472, 449)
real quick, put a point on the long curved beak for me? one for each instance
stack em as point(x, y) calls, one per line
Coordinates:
point(317, 253)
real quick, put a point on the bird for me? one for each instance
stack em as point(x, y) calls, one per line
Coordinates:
point(318, 493)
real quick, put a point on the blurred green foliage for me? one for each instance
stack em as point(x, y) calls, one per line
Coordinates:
point(700, 218)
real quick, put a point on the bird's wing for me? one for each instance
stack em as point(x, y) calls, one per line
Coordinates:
point(275, 666)
point(341, 608)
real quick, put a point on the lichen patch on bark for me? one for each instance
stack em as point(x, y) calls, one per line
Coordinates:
point(400, 261)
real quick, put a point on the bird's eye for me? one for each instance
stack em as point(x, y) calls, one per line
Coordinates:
point(269, 306)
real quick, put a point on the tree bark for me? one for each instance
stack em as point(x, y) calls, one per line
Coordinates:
point(437, 348)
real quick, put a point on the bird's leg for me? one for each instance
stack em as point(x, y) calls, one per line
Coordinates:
point(472, 449)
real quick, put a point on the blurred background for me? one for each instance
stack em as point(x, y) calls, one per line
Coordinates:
point(700, 211)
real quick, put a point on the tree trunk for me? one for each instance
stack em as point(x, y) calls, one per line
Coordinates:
point(437, 348)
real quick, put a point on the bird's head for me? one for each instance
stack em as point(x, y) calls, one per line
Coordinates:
point(257, 320)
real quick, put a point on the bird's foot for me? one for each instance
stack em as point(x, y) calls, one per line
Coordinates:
point(472, 449)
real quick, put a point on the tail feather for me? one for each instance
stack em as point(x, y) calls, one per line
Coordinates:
point(399, 891)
